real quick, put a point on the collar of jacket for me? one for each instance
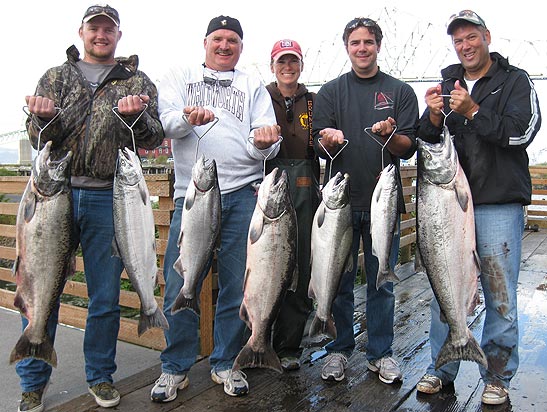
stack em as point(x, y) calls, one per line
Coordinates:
point(456, 71)
point(130, 64)
point(276, 94)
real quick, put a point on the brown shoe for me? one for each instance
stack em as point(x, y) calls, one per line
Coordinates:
point(429, 384)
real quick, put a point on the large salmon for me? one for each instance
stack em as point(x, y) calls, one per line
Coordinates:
point(331, 239)
point(384, 219)
point(446, 243)
point(199, 232)
point(135, 240)
point(45, 246)
point(271, 264)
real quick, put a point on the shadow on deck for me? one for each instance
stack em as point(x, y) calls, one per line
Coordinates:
point(304, 390)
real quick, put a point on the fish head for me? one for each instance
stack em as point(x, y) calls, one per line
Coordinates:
point(273, 194)
point(128, 167)
point(204, 174)
point(438, 162)
point(51, 176)
point(336, 192)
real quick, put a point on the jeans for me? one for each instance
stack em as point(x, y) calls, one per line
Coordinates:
point(182, 336)
point(498, 230)
point(94, 230)
point(380, 304)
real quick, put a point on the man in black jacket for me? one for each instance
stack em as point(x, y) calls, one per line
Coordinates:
point(493, 114)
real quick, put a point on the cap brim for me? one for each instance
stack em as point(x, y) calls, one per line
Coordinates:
point(285, 52)
point(450, 27)
point(92, 16)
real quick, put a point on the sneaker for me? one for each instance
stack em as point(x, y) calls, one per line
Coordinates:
point(387, 369)
point(105, 394)
point(32, 401)
point(429, 384)
point(235, 383)
point(166, 387)
point(494, 394)
point(334, 367)
point(290, 363)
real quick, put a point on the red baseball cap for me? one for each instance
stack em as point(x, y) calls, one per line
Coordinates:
point(286, 46)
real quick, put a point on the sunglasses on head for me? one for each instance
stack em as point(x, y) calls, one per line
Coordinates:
point(360, 21)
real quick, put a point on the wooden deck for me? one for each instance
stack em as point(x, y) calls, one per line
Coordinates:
point(304, 390)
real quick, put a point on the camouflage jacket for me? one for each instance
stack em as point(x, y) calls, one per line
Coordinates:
point(87, 125)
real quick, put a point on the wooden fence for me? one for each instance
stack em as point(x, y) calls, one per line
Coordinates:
point(161, 185)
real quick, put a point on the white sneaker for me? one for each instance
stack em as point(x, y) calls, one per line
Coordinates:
point(334, 367)
point(494, 394)
point(235, 383)
point(387, 369)
point(166, 387)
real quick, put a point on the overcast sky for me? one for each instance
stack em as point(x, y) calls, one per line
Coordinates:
point(36, 34)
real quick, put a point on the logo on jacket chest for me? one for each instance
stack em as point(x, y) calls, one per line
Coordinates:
point(383, 100)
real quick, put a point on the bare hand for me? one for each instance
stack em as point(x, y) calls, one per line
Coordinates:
point(198, 116)
point(266, 136)
point(331, 138)
point(132, 104)
point(434, 101)
point(461, 102)
point(384, 128)
point(41, 107)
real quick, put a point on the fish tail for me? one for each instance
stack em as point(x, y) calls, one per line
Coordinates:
point(471, 351)
point(155, 320)
point(248, 358)
point(385, 277)
point(320, 327)
point(181, 302)
point(24, 348)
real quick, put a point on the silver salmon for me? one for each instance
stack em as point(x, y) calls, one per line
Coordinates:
point(199, 232)
point(271, 265)
point(46, 247)
point(331, 239)
point(446, 244)
point(135, 241)
point(384, 218)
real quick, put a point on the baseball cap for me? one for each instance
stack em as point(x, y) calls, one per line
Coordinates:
point(224, 22)
point(102, 10)
point(465, 15)
point(286, 46)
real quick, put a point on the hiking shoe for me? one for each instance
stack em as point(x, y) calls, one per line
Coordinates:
point(290, 363)
point(32, 401)
point(166, 387)
point(234, 381)
point(387, 369)
point(105, 394)
point(494, 394)
point(334, 367)
point(429, 384)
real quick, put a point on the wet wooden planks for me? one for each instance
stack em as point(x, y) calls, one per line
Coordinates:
point(304, 390)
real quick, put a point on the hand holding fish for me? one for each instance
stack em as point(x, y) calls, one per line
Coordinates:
point(198, 116)
point(384, 128)
point(331, 138)
point(461, 102)
point(41, 107)
point(435, 104)
point(266, 136)
point(132, 104)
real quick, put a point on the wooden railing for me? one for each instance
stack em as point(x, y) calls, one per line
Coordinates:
point(161, 185)
point(537, 211)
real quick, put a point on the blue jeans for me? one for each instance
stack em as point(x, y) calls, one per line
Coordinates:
point(182, 335)
point(498, 230)
point(94, 230)
point(380, 305)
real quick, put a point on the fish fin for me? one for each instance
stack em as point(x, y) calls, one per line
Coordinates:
point(320, 215)
point(143, 191)
point(19, 303)
point(182, 302)
point(15, 266)
point(179, 267)
point(244, 315)
point(477, 260)
point(155, 320)
point(29, 208)
point(471, 351)
point(248, 358)
point(115, 250)
point(319, 327)
point(418, 262)
point(382, 278)
point(189, 199)
point(462, 195)
point(255, 230)
point(348, 265)
point(294, 282)
point(24, 348)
